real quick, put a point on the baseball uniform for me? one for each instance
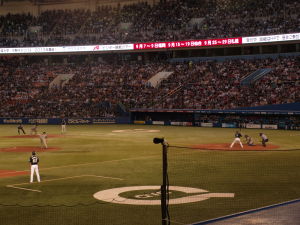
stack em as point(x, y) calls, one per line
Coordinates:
point(33, 130)
point(63, 126)
point(264, 139)
point(237, 138)
point(34, 168)
point(43, 138)
point(20, 128)
point(249, 140)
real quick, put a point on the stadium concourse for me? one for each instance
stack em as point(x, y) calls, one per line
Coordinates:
point(164, 21)
point(96, 89)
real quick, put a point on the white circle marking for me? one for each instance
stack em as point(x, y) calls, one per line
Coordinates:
point(112, 195)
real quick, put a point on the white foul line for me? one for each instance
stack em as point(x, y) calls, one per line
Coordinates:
point(27, 189)
point(63, 178)
point(85, 164)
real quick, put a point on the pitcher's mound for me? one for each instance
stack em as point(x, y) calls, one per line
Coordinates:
point(28, 149)
point(236, 147)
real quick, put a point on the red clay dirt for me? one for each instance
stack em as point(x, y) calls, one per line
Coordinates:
point(28, 149)
point(236, 147)
point(12, 173)
point(35, 136)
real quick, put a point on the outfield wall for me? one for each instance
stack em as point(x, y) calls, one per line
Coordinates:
point(55, 121)
point(250, 119)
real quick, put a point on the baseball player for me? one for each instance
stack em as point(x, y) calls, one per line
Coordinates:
point(63, 126)
point(249, 140)
point(33, 130)
point(237, 138)
point(43, 138)
point(20, 128)
point(34, 161)
point(264, 139)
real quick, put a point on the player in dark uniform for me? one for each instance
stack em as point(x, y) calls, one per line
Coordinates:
point(63, 126)
point(20, 128)
point(34, 161)
point(237, 138)
point(264, 139)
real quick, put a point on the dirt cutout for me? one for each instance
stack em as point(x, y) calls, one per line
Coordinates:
point(12, 173)
point(236, 147)
point(35, 136)
point(28, 149)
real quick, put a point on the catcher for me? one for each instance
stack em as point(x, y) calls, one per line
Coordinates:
point(249, 140)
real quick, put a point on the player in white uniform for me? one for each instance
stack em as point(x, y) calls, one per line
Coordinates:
point(237, 138)
point(43, 139)
point(34, 167)
point(264, 139)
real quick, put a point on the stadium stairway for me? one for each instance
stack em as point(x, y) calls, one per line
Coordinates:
point(60, 80)
point(158, 78)
point(256, 75)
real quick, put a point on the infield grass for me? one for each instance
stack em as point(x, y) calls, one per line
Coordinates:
point(100, 157)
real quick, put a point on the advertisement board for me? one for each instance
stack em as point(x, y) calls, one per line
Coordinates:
point(270, 126)
point(53, 121)
point(154, 45)
point(158, 122)
point(139, 122)
point(182, 123)
point(271, 38)
point(206, 124)
point(66, 49)
point(188, 44)
point(228, 125)
point(253, 126)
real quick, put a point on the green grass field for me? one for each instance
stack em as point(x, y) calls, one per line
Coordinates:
point(96, 158)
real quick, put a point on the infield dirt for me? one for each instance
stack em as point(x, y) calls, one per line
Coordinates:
point(226, 147)
point(28, 149)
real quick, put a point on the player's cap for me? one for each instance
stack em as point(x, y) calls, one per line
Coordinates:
point(33, 153)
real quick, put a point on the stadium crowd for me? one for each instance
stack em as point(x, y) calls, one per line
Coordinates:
point(142, 22)
point(99, 89)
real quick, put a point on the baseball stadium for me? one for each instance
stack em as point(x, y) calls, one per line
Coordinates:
point(153, 112)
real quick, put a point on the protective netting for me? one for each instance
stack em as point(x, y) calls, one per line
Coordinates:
point(92, 214)
point(216, 183)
